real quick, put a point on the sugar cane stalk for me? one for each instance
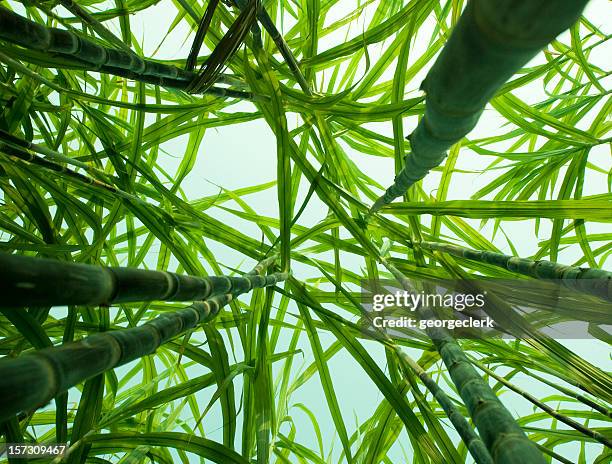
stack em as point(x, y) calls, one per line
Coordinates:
point(472, 441)
point(503, 437)
point(90, 55)
point(27, 281)
point(597, 282)
point(28, 34)
point(32, 380)
point(491, 41)
point(572, 394)
point(25, 150)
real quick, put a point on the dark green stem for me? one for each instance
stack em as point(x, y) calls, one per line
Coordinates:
point(28, 34)
point(503, 437)
point(32, 380)
point(90, 55)
point(491, 41)
point(28, 281)
point(572, 394)
point(472, 441)
point(594, 281)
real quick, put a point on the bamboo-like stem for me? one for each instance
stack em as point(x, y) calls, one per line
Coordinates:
point(32, 380)
point(28, 34)
point(597, 282)
point(27, 281)
point(595, 435)
point(92, 56)
point(503, 437)
point(183, 83)
point(26, 155)
point(23, 149)
point(20, 150)
point(472, 441)
point(554, 455)
point(491, 41)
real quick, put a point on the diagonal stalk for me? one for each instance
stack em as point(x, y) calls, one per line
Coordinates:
point(503, 437)
point(28, 34)
point(472, 441)
point(23, 149)
point(86, 54)
point(594, 434)
point(597, 282)
point(32, 380)
point(572, 394)
point(491, 41)
point(70, 63)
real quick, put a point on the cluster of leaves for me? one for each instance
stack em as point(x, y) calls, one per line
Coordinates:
point(85, 178)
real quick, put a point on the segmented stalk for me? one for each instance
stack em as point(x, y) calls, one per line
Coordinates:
point(90, 55)
point(503, 437)
point(572, 394)
point(27, 281)
point(28, 34)
point(597, 282)
point(490, 42)
point(32, 380)
point(473, 442)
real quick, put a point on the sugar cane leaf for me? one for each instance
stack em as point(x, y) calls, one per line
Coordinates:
point(117, 442)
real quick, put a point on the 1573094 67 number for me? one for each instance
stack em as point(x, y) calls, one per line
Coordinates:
point(32, 450)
